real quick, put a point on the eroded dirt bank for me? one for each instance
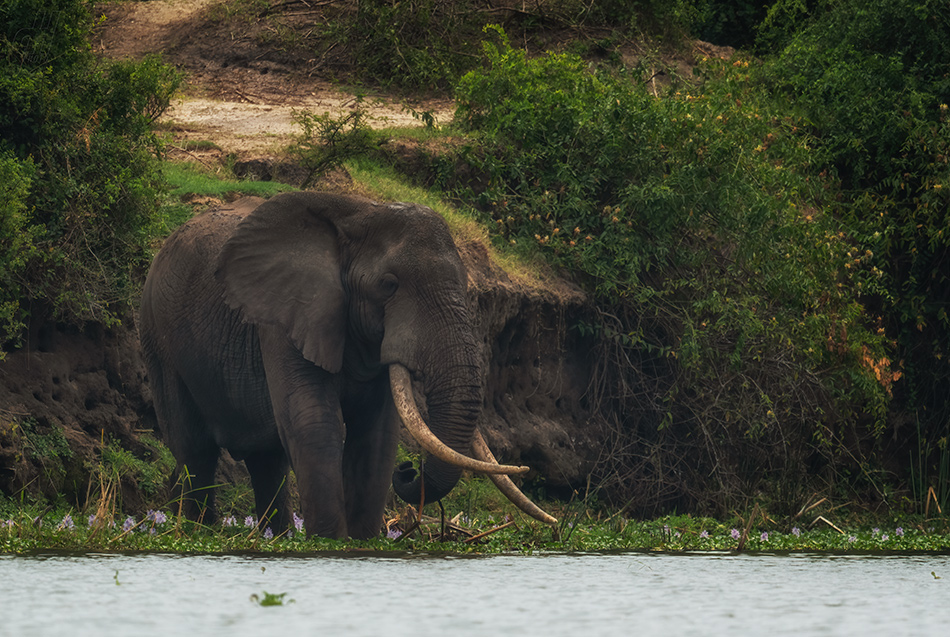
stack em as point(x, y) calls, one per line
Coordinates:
point(66, 392)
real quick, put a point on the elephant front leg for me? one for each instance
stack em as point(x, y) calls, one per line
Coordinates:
point(372, 434)
point(318, 467)
point(306, 405)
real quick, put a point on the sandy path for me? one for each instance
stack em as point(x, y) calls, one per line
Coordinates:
point(261, 120)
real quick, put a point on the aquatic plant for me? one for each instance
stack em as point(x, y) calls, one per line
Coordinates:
point(25, 528)
point(270, 599)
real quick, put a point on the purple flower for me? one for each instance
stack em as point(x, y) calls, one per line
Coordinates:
point(8, 524)
point(156, 517)
point(393, 533)
point(884, 538)
point(735, 534)
point(298, 522)
point(796, 531)
point(851, 538)
point(875, 531)
point(704, 534)
point(765, 536)
point(128, 524)
point(249, 521)
point(229, 521)
point(268, 534)
point(67, 523)
point(899, 531)
point(91, 520)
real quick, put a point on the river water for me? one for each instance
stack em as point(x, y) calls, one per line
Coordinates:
point(391, 596)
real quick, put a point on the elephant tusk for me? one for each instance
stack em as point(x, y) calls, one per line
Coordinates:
point(506, 486)
point(406, 406)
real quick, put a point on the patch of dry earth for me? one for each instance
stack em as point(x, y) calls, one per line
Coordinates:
point(244, 110)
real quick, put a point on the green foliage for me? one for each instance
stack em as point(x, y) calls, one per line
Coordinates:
point(872, 80)
point(151, 473)
point(28, 528)
point(43, 444)
point(419, 45)
point(47, 448)
point(75, 140)
point(697, 221)
point(326, 141)
point(729, 22)
point(428, 44)
point(17, 244)
point(271, 599)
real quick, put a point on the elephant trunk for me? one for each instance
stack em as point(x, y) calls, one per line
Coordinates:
point(442, 473)
point(453, 402)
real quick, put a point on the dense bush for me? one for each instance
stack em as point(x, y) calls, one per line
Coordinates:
point(428, 44)
point(418, 44)
point(872, 80)
point(729, 294)
point(77, 158)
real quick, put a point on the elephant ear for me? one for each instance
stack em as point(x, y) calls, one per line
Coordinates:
point(282, 267)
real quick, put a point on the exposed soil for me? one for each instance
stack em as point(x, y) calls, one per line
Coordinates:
point(90, 386)
point(238, 96)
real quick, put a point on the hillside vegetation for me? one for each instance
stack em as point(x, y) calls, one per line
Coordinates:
point(766, 240)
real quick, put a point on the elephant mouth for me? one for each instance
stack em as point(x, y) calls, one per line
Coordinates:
point(484, 462)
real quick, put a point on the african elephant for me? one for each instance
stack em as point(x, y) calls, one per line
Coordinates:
point(287, 332)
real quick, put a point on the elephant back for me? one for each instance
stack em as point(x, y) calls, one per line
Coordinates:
point(181, 278)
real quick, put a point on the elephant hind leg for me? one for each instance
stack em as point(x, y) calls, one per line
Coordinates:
point(268, 470)
point(193, 482)
point(189, 440)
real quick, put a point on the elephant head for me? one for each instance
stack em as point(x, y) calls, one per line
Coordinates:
point(360, 289)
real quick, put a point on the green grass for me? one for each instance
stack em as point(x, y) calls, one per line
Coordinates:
point(384, 183)
point(31, 530)
point(476, 521)
point(193, 179)
point(188, 179)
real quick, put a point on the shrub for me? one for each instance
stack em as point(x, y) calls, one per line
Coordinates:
point(698, 221)
point(17, 247)
point(76, 145)
point(417, 45)
point(872, 80)
point(325, 142)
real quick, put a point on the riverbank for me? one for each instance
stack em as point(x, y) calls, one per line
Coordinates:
point(467, 530)
point(709, 376)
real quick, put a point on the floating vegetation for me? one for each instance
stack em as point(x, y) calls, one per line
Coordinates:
point(483, 532)
point(270, 599)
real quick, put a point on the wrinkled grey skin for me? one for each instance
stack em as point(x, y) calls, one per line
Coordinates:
point(267, 328)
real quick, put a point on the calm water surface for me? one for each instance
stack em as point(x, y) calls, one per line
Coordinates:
point(577, 595)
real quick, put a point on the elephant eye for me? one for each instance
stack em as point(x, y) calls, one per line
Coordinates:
point(387, 286)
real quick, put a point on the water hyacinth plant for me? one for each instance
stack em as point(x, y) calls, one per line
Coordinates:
point(471, 531)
